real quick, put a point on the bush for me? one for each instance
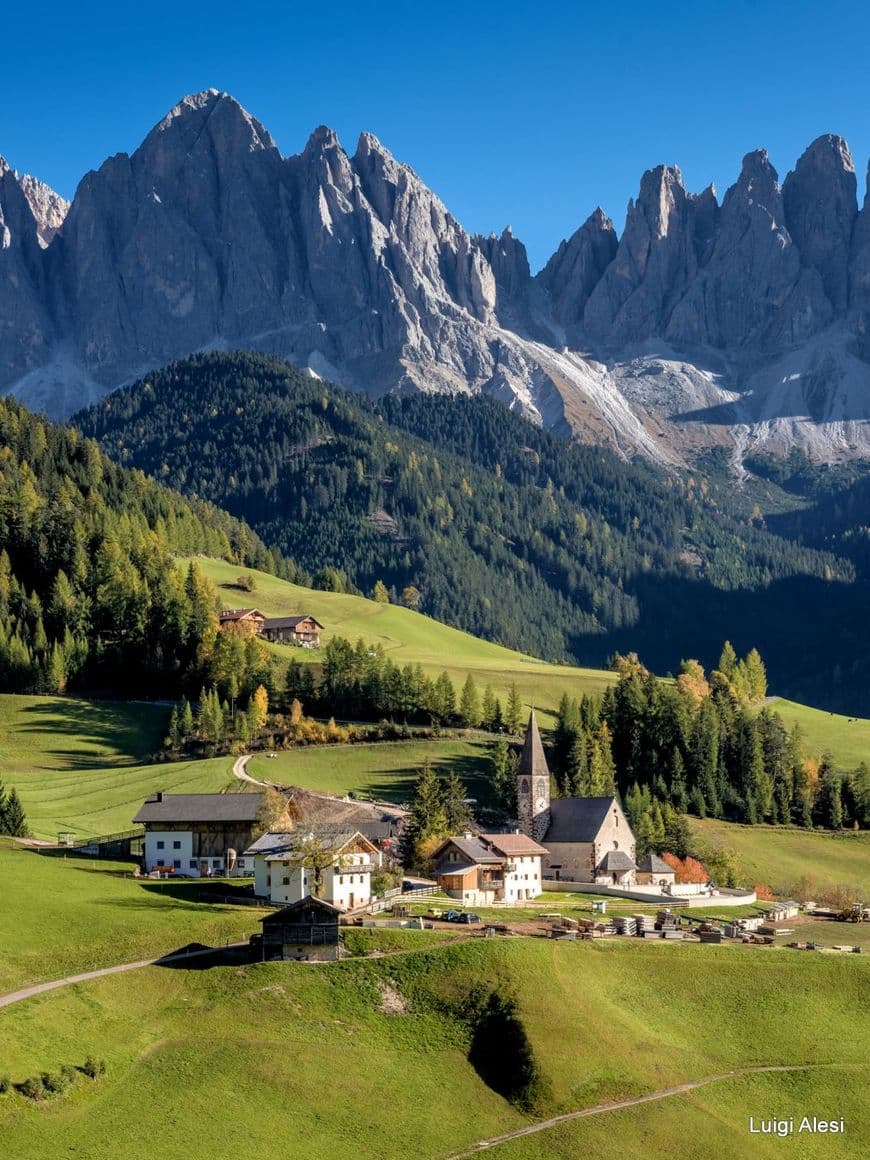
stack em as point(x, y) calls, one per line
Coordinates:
point(32, 1088)
point(94, 1068)
point(5, 1084)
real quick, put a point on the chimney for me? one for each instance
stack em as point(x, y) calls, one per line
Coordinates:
point(467, 835)
point(160, 795)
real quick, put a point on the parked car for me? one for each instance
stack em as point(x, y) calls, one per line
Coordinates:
point(451, 916)
point(468, 918)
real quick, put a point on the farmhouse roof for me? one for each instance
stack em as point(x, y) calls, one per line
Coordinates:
point(532, 759)
point(577, 819)
point(289, 621)
point(474, 850)
point(617, 860)
point(513, 845)
point(308, 901)
point(200, 807)
point(276, 846)
point(460, 868)
point(239, 613)
point(653, 864)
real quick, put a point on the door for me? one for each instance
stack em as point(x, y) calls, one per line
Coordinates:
point(350, 903)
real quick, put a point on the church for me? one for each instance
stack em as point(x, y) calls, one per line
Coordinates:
point(587, 839)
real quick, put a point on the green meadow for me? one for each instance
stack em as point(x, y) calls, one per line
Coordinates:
point(62, 915)
point(407, 636)
point(779, 855)
point(387, 1057)
point(85, 766)
point(385, 770)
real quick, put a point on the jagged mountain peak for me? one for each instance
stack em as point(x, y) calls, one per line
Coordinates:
point(206, 236)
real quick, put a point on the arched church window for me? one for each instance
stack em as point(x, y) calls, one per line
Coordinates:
point(616, 845)
point(524, 785)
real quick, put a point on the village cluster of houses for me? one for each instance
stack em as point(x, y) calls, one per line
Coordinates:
point(301, 630)
point(577, 840)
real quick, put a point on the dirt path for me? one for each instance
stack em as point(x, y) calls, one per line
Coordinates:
point(69, 980)
point(240, 770)
point(615, 1106)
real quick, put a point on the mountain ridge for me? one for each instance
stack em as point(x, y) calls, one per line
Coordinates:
point(740, 324)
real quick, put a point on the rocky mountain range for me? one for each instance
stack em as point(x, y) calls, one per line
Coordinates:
point(741, 323)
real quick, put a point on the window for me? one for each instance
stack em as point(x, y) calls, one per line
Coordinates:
point(285, 881)
point(616, 845)
point(216, 862)
point(160, 845)
point(192, 863)
point(341, 880)
point(615, 819)
point(176, 845)
point(177, 863)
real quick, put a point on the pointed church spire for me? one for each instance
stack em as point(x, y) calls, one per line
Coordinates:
point(532, 759)
point(533, 784)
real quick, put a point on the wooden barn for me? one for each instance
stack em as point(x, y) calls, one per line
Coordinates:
point(247, 621)
point(307, 929)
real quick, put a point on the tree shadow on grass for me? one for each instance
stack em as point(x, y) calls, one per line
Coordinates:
point(199, 957)
point(129, 733)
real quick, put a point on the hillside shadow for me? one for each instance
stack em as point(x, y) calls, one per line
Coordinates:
point(129, 733)
point(823, 660)
point(394, 785)
point(199, 957)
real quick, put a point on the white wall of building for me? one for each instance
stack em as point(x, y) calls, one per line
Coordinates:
point(522, 878)
point(172, 849)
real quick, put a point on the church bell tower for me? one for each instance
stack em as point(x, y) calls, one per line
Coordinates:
point(533, 785)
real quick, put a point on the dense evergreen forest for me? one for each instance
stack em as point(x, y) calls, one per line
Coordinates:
point(484, 521)
point(89, 594)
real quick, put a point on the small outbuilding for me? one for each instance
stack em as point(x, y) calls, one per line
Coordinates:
point(654, 871)
point(307, 929)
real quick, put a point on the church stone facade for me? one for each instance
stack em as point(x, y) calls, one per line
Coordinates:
point(586, 839)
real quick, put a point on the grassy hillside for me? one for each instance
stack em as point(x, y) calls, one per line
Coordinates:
point(779, 856)
point(409, 637)
point(83, 765)
point(602, 1022)
point(66, 915)
point(385, 771)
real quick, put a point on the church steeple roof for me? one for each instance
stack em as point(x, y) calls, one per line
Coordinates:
point(532, 759)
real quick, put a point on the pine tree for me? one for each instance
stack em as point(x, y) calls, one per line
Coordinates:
point(828, 809)
point(728, 660)
point(456, 808)
point(258, 708)
point(380, 594)
point(503, 776)
point(12, 818)
point(513, 718)
point(469, 704)
point(487, 708)
point(427, 820)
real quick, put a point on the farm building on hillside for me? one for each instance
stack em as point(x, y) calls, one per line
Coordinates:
point(285, 870)
point(247, 620)
point(196, 835)
point(307, 929)
point(486, 868)
point(302, 630)
point(588, 839)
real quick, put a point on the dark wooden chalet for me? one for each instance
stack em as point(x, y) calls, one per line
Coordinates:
point(248, 621)
point(303, 630)
point(307, 929)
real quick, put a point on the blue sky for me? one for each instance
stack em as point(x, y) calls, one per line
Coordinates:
point(519, 113)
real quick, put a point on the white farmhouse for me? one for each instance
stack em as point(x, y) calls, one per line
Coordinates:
point(284, 875)
point(196, 835)
point(485, 868)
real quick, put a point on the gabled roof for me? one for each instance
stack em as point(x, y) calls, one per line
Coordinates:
point(653, 864)
point(577, 819)
point(288, 621)
point(200, 807)
point(616, 860)
point(459, 868)
point(474, 850)
point(239, 613)
point(513, 845)
point(308, 900)
point(532, 759)
point(276, 845)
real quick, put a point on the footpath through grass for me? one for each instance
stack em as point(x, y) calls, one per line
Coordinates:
point(381, 1058)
